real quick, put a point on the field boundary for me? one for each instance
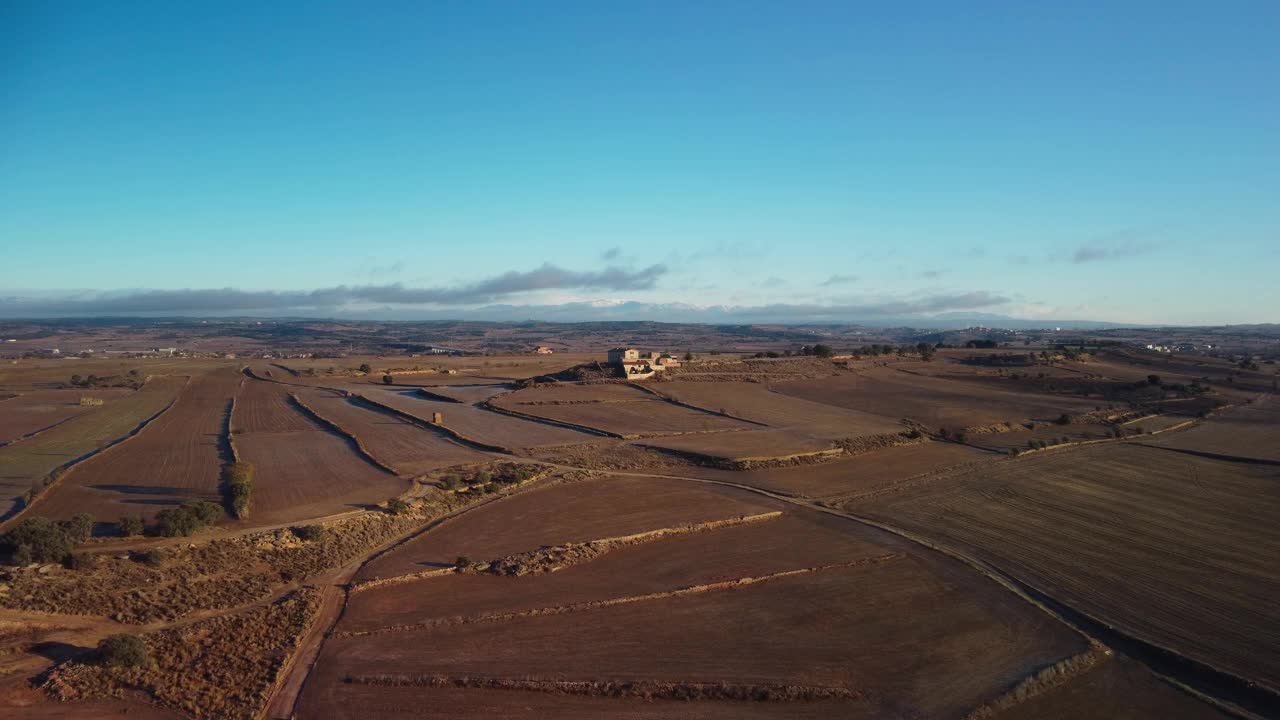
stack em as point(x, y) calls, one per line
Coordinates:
point(58, 474)
point(1042, 681)
point(1212, 455)
point(437, 396)
point(351, 437)
point(691, 406)
point(622, 600)
point(645, 689)
point(488, 405)
point(442, 429)
point(1180, 670)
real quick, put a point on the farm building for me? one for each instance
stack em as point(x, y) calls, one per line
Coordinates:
point(543, 350)
point(637, 365)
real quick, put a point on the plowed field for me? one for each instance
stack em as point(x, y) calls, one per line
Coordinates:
point(1175, 549)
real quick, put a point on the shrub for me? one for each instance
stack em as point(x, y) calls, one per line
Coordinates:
point(451, 482)
point(80, 561)
point(154, 557)
point(1063, 419)
point(462, 563)
point(959, 436)
point(1014, 451)
point(130, 525)
point(122, 651)
point(80, 527)
point(187, 518)
point(364, 368)
point(309, 532)
point(396, 506)
point(388, 380)
point(239, 486)
point(44, 540)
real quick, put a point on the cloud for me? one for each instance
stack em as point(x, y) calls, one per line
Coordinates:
point(611, 254)
point(773, 281)
point(230, 300)
point(932, 274)
point(838, 280)
point(1121, 244)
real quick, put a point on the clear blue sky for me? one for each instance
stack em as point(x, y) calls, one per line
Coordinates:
point(1110, 160)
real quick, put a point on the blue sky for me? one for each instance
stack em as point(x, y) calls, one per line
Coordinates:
point(1115, 161)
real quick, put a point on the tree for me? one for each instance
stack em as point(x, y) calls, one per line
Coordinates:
point(76, 379)
point(130, 525)
point(462, 562)
point(122, 650)
point(688, 357)
point(364, 368)
point(387, 379)
point(822, 351)
point(43, 540)
point(397, 506)
point(80, 527)
point(1153, 379)
point(187, 518)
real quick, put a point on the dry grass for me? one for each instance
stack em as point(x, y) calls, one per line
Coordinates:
point(223, 667)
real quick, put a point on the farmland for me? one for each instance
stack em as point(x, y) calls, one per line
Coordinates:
point(302, 468)
point(178, 456)
point(749, 538)
point(1124, 532)
point(931, 401)
point(27, 464)
point(33, 412)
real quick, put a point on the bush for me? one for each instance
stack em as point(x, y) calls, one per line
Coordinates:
point(451, 482)
point(154, 557)
point(122, 651)
point(364, 368)
point(388, 380)
point(239, 487)
point(130, 525)
point(462, 563)
point(80, 561)
point(80, 527)
point(1063, 419)
point(44, 541)
point(396, 506)
point(959, 436)
point(309, 533)
point(187, 518)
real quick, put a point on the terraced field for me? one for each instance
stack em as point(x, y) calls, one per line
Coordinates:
point(812, 609)
point(1130, 535)
point(1251, 432)
point(477, 424)
point(32, 412)
point(756, 402)
point(393, 441)
point(26, 464)
point(935, 402)
point(302, 469)
point(178, 456)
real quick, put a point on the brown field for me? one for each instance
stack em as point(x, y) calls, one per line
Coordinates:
point(265, 407)
point(480, 425)
point(566, 512)
point(409, 448)
point(1130, 535)
point(934, 402)
point(632, 419)
point(179, 456)
point(32, 412)
point(1251, 432)
point(470, 393)
point(307, 470)
point(858, 475)
point(756, 402)
point(790, 542)
point(743, 444)
point(642, 577)
point(26, 464)
point(1118, 689)
point(875, 629)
